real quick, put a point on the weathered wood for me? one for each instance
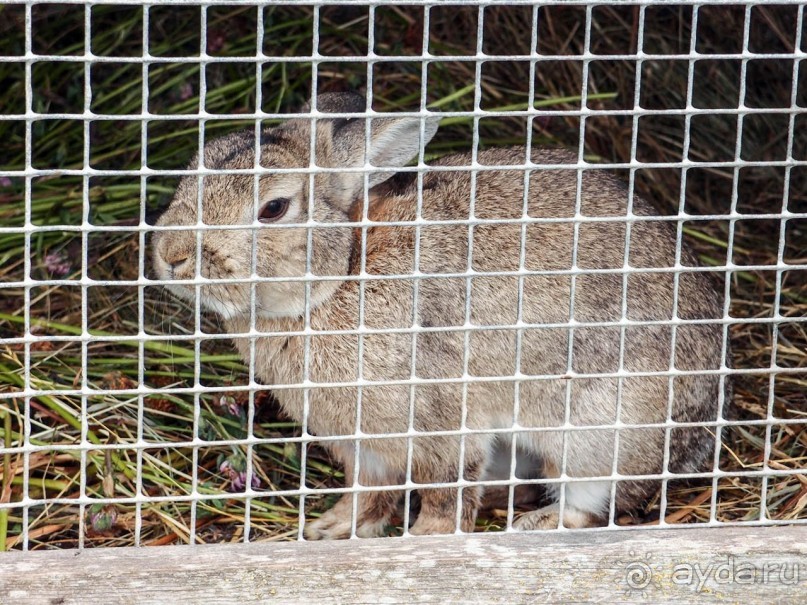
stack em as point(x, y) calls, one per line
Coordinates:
point(732, 564)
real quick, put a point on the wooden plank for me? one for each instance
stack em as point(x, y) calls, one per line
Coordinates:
point(731, 564)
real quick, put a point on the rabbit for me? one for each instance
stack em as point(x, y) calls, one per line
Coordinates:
point(533, 322)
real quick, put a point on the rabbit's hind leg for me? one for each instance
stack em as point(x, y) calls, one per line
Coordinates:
point(438, 510)
point(583, 507)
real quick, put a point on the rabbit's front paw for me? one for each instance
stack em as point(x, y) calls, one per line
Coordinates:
point(425, 526)
point(334, 526)
point(374, 512)
point(548, 517)
point(330, 526)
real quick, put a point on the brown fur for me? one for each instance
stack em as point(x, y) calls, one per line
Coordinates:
point(388, 303)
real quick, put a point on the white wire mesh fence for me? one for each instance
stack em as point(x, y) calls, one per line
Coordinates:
point(416, 380)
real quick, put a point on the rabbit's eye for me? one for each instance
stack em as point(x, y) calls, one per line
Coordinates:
point(273, 210)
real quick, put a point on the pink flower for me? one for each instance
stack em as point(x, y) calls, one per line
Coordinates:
point(102, 518)
point(185, 91)
point(229, 402)
point(215, 41)
point(57, 264)
point(238, 479)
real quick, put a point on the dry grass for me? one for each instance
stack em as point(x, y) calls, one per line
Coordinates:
point(56, 474)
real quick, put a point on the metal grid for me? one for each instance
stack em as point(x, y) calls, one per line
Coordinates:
point(84, 389)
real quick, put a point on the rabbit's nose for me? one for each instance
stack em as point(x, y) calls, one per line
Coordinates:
point(176, 265)
point(176, 259)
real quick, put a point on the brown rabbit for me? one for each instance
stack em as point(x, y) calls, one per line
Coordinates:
point(534, 320)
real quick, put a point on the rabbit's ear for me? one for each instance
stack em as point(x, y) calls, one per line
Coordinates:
point(342, 141)
point(338, 102)
point(394, 142)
